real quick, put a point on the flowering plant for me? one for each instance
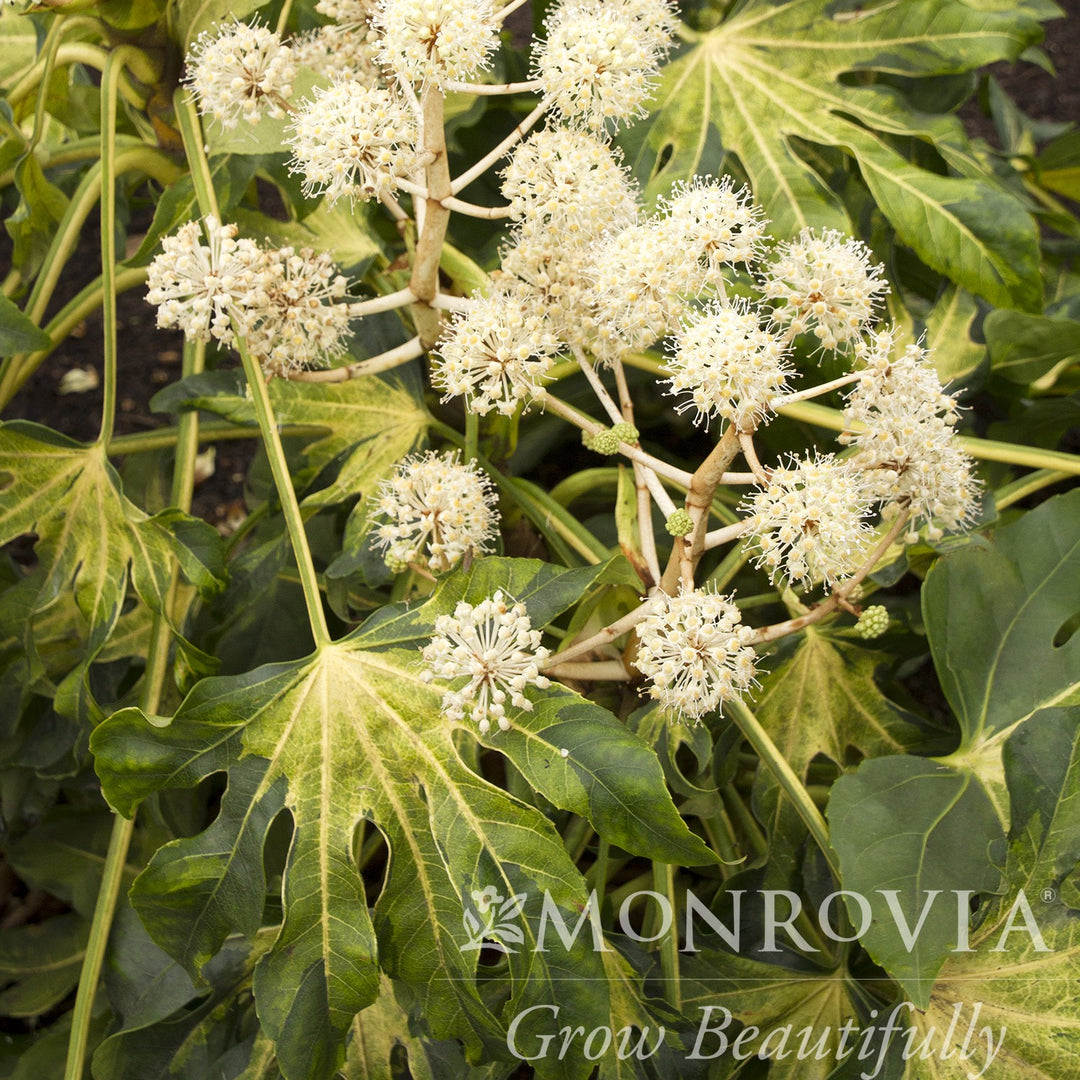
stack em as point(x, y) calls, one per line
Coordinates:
point(550, 595)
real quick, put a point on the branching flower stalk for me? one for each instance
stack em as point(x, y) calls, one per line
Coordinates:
point(588, 281)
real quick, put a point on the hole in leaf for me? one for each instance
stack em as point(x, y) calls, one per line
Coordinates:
point(1066, 630)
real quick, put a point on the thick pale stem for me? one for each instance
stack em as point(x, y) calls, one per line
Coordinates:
point(424, 282)
point(703, 484)
point(746, 442)
point(781, 400)
point(387, 302)
point(495, 89)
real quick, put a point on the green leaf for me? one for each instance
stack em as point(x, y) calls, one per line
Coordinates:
point(370, 423)
point(17, 332)
point(948, 334)
point(768, 80)
point(191, 17)
point(40, 964)
point(994, 612)
point(770, 997)
point(343, 232)
point(822, 699)
point(36, 219)
point(344, 736)
point(1019, 984)
point(1026, 349)
point(19, 45)
point(92, 538)
point(904, 827)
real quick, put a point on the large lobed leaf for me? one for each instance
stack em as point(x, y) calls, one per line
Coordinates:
point(995, 612)
point(349, 735)
point(369, 423)
point(769, 78)
point(91, 538)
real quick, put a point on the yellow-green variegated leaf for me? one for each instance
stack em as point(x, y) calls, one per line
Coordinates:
point(775, 78)
point(1018, 988)
point(353, 734)
point(91, 538)
point(369, 423)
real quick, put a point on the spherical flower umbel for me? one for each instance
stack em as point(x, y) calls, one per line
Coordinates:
point(298, 323)
point(198, 287)
point(810, 521)
point(695, 651)
point(727, 363)
point(432, 511)
point(905, 439)
point(436, 40)
point(715, 221)
point(599, 58)
point(826, 284)
point(494, 354)
point(639, 282)
point(241, 72)
point(569, 184)
point(494, 646)
point(339, 52)
point(353, 140)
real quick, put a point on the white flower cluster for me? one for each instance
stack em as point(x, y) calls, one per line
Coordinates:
point(826, 285)
point(728, 363)
point(299, 323)
point(598, 61)
point(281, 300)
point(694, 650)
point(810, 523)
point(716, 221)
point(494, 646)
point(494, 355)
point(353, 140)
point(241, 72)
point(436, 40)
point(434, 510)
point(905, 444)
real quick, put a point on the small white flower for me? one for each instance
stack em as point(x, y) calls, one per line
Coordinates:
point(569, 185)
point(728, 364)
point(694, 649)
point(715, 221)
point(599, 59)
point(354, 141)
point(493, 645)
point(810, 522)
point(433, 511)
point(494, 354)
point(298, 323)
point(825, 284)
point(436, 40)
point(907, 446)
point(197, 287)
point(241, 72)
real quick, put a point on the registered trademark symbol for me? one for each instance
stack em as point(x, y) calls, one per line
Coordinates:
point(1048, 895)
